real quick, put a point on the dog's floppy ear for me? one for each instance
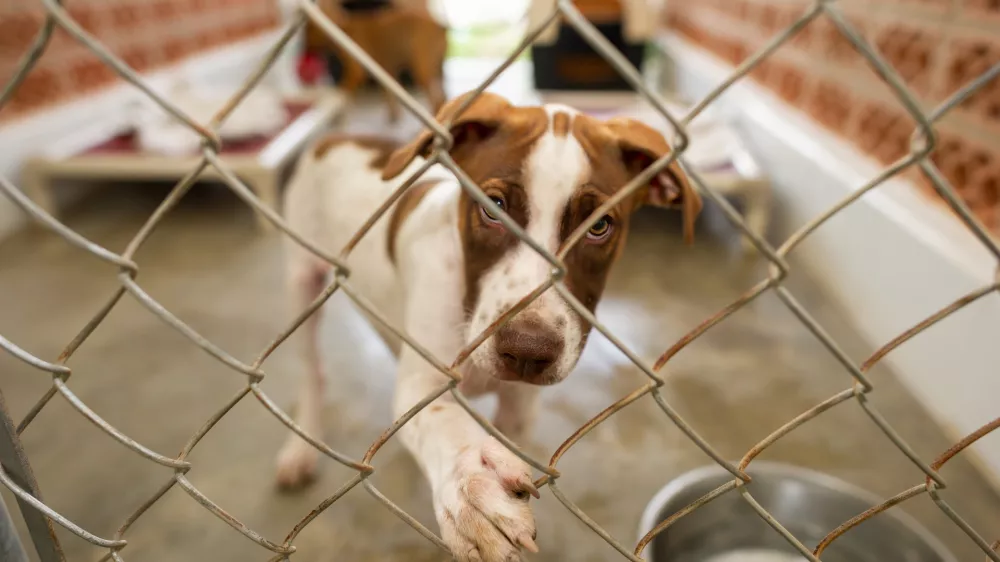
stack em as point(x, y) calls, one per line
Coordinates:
point(478, 121)
point(640, 146)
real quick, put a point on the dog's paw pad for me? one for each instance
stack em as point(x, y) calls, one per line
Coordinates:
point(484, 511)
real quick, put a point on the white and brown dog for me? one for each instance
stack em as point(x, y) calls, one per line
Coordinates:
point(443, 268)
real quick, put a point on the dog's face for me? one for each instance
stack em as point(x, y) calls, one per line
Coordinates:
point(549, 168)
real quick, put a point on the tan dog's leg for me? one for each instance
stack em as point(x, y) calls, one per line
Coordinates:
point(393, 105)
point(427, 63)
point(297, 459)
point(353, 78)
point(428, 81)
point(435, 94)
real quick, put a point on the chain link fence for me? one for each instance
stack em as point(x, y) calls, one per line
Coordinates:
point(16, 474)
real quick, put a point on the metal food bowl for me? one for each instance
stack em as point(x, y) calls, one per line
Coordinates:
point(807, 503)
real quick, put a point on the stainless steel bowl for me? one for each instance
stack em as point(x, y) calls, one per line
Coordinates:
point(807, 503)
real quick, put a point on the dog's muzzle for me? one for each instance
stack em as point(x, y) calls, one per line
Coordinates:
point(527, 351)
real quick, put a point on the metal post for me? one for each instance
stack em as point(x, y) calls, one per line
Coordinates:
point(10, 545)
point(15, 468)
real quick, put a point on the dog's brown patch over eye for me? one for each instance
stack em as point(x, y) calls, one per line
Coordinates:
point(589, 261)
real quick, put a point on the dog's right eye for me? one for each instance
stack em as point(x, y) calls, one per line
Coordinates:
point(488, 215)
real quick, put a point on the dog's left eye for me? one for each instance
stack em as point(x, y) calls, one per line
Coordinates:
point(600, 230)
point(488, 215)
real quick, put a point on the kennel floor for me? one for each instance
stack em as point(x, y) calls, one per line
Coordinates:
point(735, 385)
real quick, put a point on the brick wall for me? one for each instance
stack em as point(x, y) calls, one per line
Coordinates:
point(146, 33)
point(936, 46)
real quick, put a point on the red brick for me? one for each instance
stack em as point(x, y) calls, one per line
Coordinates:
point(139, 57)
point(768, 18)
point(912, 38)
point(126, 17)
point(166, 10)
point(760, 72)
point(981, 8)
point(87, 17)
point(829, 41)
point(788, 81)
point(262, 24)
point(967, 59)
point(203, 39)
point(741, 9)
point(273, 18)
point(830, 104)
point(198, 7)
point(67, 67)
point(933, 5)
point(686, 26)
point(805, 37)
point(218, 38)
point(972, 170)
point(17, 32)
point(233, 32)
point(176, 49)
point(912, 51)
point(89, 73)
point(40, 88)
point(731, 49)
point(248, 28)
point(883, 131)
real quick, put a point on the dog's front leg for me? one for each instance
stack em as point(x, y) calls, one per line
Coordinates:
point(517, 409)
point(481, 490)
point(393, 106)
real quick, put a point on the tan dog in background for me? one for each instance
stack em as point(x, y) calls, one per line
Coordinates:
point(398, 37)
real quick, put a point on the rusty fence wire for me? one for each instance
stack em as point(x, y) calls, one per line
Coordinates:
point(16, 474)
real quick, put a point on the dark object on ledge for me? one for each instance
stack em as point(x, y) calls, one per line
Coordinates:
point(572, 64)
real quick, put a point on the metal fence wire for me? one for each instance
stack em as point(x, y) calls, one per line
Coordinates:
point(16, 474)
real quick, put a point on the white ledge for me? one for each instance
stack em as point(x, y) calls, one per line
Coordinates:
point(890, 259)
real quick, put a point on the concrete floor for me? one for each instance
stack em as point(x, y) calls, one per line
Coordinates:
point(735, 385)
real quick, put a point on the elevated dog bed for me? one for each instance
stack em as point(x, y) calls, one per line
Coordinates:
point(261, 160)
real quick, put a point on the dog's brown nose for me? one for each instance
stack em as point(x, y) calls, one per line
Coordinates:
point(526, 350)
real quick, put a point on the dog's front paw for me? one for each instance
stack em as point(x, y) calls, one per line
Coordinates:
point(483, 509)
